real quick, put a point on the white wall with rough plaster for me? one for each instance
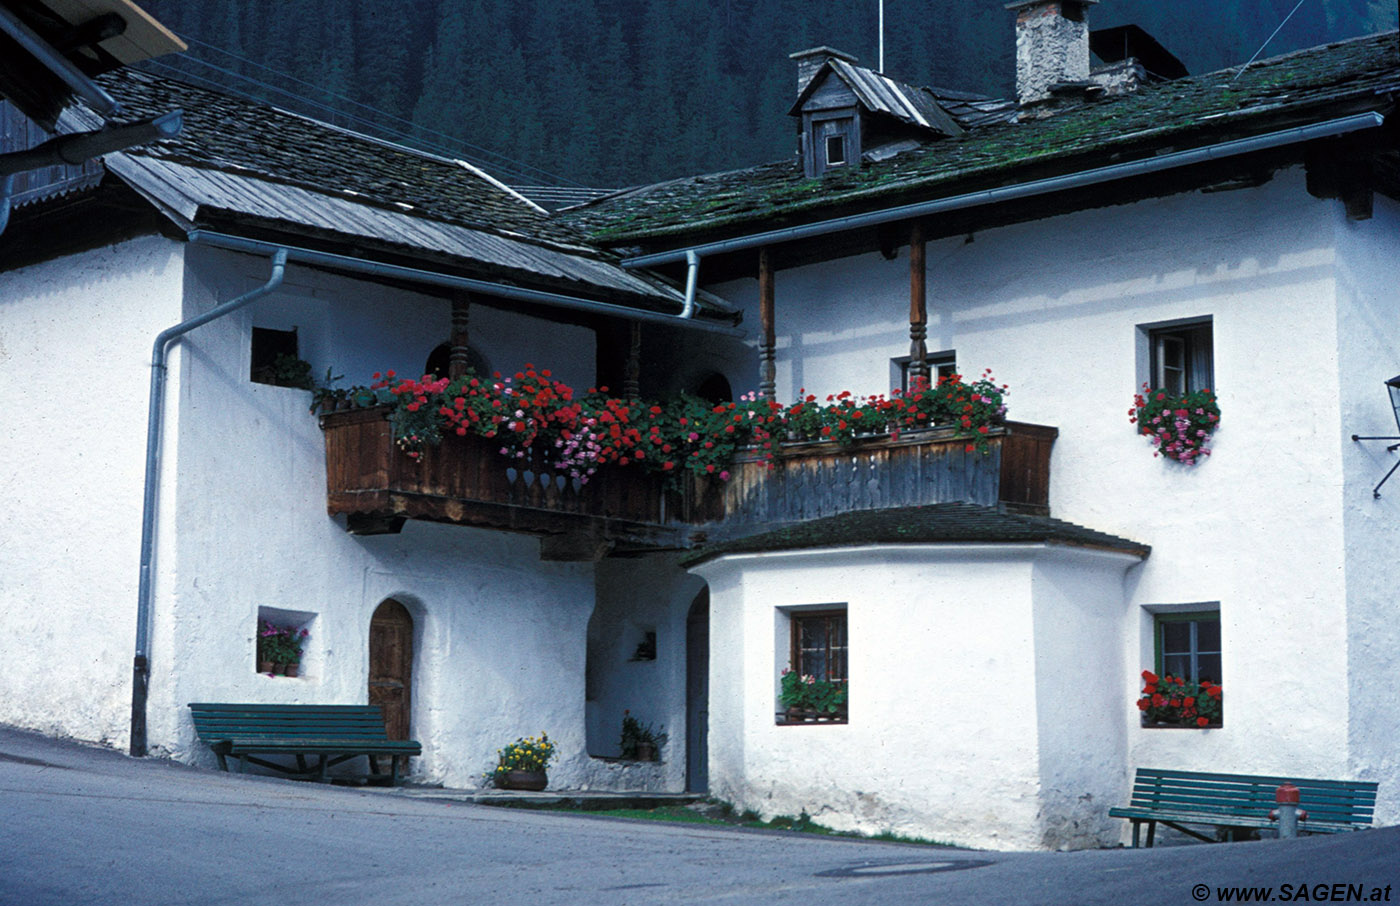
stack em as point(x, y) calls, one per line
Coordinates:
point(1264, 528)
point(499, 634)
point(75, 347)
point(635, 596)
point(965, 725)
point(1368, 333)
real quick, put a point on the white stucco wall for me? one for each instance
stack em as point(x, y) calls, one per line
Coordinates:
point(969, 715)
point(500, 635)
point(1368, 333)
point(75, 348)
point(634, 596)
point(1054, 308)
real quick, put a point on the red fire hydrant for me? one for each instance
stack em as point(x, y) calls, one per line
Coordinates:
point(1287, 797)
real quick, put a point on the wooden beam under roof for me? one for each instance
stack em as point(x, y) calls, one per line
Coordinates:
point(143, 38)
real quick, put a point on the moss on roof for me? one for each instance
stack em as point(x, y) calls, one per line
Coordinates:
point(227, 132)
point(1307, 86)
point(940, 523)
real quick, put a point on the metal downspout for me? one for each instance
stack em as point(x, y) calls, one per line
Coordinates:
point(154, 422)
point(692, 276)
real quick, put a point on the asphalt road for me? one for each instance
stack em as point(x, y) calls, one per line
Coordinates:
point(82, 825)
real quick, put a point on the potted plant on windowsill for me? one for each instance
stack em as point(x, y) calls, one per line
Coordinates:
point(639, 741)
point(523, 765)
point(808, 699)
point(1170, 701)
point(280, 649)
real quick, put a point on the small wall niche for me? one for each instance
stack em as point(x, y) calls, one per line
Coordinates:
point(298, 625)
point(646, 647)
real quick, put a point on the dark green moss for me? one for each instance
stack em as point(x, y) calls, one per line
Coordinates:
point(1310, 85)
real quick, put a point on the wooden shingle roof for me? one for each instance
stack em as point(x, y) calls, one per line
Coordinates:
point(247, 167)
point(940, 523)
point(1313, 85)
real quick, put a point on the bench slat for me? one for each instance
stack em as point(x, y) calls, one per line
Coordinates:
point(334, 732)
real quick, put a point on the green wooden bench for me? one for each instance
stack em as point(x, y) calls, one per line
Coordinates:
point(331, 733)
point(1237, 802)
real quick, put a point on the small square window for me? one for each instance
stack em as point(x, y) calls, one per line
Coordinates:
point(1181, 358)
point(274, 359)
point(1188, 645)
point(818, 650)
point(940, 365)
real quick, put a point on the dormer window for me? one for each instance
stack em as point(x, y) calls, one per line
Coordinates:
point(833, 141)
point(848, 114)
point(835, 150)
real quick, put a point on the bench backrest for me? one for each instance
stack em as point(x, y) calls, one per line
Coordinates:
point(215, 722)
point(1349, 802)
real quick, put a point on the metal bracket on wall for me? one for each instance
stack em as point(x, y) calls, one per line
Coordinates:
point(1376, 491)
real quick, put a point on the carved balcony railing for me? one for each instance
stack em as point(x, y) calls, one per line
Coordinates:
point(466, 481)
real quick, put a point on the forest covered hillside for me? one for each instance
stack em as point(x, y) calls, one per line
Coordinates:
point(620, 92)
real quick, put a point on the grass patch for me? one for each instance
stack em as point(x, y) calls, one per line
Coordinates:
point(723, 814)
point(678, 813)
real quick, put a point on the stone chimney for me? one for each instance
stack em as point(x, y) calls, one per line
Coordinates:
point(1052, 46)
point(810, 60)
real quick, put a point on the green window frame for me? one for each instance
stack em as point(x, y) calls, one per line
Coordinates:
point(1188, 645)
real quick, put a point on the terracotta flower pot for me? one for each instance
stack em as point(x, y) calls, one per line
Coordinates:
point(646, 751)
point(522, 780)
point(293, 669)
point(264, 666)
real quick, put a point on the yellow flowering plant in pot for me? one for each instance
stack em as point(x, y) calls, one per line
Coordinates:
point(523, 764)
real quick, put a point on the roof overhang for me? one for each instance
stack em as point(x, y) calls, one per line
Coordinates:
point(1095, 176)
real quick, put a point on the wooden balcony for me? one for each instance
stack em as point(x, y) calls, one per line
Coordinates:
point(813, 480)
point(465, 481)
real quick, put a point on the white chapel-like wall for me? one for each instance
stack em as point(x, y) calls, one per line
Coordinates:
point(1053, 307)
point(499, 634)
point(73, 452)
point(1368, 331)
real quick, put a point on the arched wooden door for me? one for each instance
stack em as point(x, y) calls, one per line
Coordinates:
point(391, 666)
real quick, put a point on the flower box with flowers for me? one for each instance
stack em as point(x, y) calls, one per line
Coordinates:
point(534, 441)
point(1179, 426)
point(1171, 701)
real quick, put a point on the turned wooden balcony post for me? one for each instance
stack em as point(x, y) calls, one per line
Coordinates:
point(918, 307)
point(632, 377)
point(459, 359)
point(767, 351)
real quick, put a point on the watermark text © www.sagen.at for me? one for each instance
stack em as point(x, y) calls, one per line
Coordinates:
point(1294, 893)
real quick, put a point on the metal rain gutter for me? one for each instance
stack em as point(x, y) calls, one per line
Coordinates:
point(57, 64)
point(77, 147)
point(1095, 176)
point(154, 422)
point(7, 189)
point(417, 275)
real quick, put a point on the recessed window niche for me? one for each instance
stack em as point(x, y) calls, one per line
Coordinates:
point(283, 641)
